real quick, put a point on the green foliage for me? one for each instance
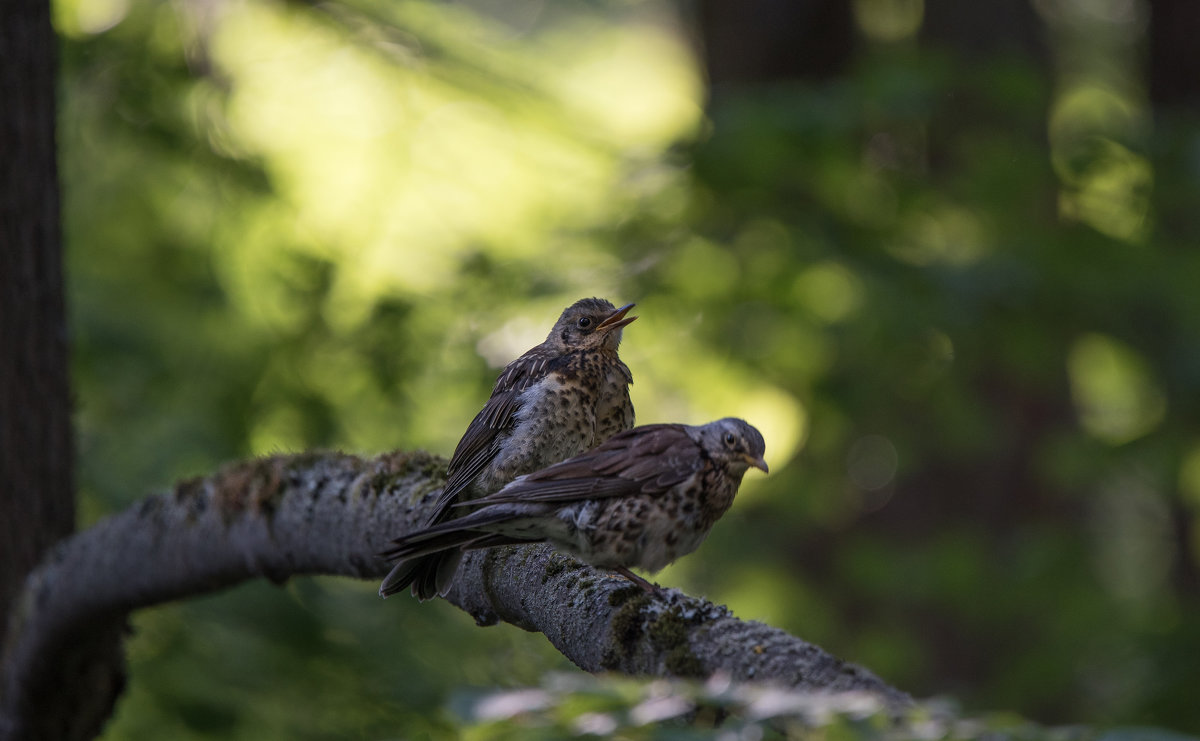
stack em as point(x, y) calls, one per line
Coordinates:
point(959, 300)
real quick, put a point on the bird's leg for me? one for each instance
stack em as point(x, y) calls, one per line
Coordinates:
point(645, 585)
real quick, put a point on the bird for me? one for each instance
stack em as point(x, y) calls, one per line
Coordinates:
point(559, 399)
point(642, 499)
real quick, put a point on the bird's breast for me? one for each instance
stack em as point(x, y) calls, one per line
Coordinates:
point(555, 420)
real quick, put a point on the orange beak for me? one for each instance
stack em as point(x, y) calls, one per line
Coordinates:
point(617, 319)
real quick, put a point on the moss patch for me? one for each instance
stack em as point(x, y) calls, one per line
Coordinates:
point(666, 632)
point(554, 567)
point(394, 469)
point(626, 629)
point(619, 597)
point(669, 634)
point(559, 564)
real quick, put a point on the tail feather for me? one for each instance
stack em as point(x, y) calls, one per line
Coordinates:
point(411, 547)
point(443, 572)
point(428, 559)
point(435, 573)
point(398, 579)
point(429, 575)
point(495, 540)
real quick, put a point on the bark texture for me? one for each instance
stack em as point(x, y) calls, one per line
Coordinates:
point(330, 514)
point(36, 453)
point(37, 505)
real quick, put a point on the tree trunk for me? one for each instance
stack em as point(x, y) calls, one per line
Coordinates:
point(748, 42)
point(36, 505)
point(1174, 60)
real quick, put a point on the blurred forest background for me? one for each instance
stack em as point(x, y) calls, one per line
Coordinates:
point(943, 254)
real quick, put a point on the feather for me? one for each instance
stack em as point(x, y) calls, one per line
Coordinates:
point(629, 463)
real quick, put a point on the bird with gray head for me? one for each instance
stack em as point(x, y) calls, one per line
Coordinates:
point(560, 398)
point(640, 500)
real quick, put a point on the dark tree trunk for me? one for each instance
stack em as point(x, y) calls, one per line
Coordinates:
point(1173, 72)
point(36, 453)
point(1174, 58)
point(985, 29)
point(36, 460)
point(756, 41)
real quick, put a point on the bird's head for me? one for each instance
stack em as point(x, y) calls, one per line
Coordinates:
point(734, 442)
point(590, 324)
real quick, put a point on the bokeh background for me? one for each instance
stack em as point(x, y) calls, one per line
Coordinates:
point(943, 254)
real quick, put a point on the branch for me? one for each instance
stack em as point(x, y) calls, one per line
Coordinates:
point(330, 514)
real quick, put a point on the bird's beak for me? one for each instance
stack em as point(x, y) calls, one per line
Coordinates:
point(617, 319)
point(758, 463)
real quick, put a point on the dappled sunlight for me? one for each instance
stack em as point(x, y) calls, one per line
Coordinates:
point(1115, 396)
point(889, 20)
point(397, 172)
point(315, 108)
point(1113, 195)
point(632, 85)
point(79, 18)
point(398, 164)
point(829, 291)
point(510, 340)
point(1105, 184)
point(260, 281)
point(1099, 114)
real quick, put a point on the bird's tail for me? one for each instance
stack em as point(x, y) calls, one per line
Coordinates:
point(428, 558)
point(429, 575)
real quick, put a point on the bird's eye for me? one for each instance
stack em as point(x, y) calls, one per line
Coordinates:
point(730, 439)
point(584, 322)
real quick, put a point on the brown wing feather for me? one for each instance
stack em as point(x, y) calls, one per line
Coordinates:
point(644, 460)
point(477, 447)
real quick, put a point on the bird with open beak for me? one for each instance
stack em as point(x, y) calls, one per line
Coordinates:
point(559, 399)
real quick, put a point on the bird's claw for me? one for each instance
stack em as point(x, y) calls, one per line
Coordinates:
point(647, 587)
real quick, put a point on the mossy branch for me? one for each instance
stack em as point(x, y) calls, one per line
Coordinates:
point(331, 514)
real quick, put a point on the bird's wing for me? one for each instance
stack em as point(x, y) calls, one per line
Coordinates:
point(478, 447)
point(645, 460)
